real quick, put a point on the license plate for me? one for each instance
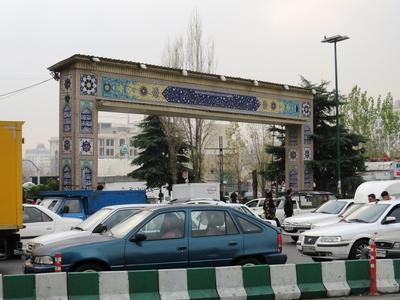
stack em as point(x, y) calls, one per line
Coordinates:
point(289, 228)
point(308, 249)
point(380, 253)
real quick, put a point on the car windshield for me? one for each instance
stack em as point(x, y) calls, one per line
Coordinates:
point(331, 207)
point(51, 203)
point(350, 209)
point(94, 219)
point(122, 229)
point(367, 213)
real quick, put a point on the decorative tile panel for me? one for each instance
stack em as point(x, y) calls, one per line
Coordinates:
point(86, 146)
point(307, 134)
point(67, 145)
point(307, 153)
point(293, 136)
point(293, 177)
point(66, 83)
point(67, 118)
point(88, 84)
point(308, 178)
point(306, 109)
point(86, 116)
point(293, 155)
point(86, 170)
point(66, 174)
point(131, 90)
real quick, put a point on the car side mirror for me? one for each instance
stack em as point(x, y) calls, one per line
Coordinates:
point(100, 228)
point(389, 220)
point(139, 237)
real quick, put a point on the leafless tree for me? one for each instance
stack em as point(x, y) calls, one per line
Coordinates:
point(195, 54)
point(259, 137)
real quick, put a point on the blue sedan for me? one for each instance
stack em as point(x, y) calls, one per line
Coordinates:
point(168, 237)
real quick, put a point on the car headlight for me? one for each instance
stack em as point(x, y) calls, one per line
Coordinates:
point(303, 224)
point(301, 238)
point(43, 260)
point(36, 245)
point(396, 246)
point(330, 239)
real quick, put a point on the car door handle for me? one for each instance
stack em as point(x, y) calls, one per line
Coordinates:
point(181, 249)
point(48, 228)
point(232, 243)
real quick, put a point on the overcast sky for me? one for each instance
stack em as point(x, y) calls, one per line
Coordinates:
point(266, 40)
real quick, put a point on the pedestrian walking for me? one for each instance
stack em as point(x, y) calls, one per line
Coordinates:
point(233, 197)
point(269, 206)
point(288, 206)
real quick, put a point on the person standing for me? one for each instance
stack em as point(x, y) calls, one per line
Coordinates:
point(233, 197)
point(288, 207)
point(269, 206)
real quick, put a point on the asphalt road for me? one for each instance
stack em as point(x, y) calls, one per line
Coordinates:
point(14, 266)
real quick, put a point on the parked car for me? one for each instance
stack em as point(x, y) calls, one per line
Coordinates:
point(295, 225)
point(333, 219)
point(82, 204)
point(240, 207)
point(39, 221)
point(104, 219)
point(303, 202)
point(348, 238)
point(388, 245)
point(172, 236)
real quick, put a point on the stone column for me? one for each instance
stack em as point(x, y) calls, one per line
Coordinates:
point(78, 130)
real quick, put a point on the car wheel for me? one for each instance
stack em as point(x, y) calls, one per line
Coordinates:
point(295, 238)
point(248, 261)
point(358, 249)
point(320, 259)
point(89, 267)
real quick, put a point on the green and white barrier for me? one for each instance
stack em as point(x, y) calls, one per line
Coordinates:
point(305, 281)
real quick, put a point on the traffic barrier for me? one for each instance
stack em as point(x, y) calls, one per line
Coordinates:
point(334, 278)
point(373, 290)
point(1, 287)
point(57, 262)
point(305, 281)
point(386, 281)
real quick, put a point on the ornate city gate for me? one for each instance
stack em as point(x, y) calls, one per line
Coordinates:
point(91, 84)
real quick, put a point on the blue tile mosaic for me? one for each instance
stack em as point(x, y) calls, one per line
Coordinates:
point(211, 99)
point(118, 88)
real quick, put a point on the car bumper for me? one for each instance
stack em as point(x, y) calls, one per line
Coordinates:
point(275, 259)
point(32, 268)
point(294, 231)
point(387, 253)
point(331, 251)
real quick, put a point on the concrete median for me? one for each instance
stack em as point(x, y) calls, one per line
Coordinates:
point(305, 281)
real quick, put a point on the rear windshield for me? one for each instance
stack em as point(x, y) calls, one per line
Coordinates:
point(51, 203)
point(332, 207)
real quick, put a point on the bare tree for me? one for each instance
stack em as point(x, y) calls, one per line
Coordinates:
point(236, 154)
point(259, 138)
point(196, 55)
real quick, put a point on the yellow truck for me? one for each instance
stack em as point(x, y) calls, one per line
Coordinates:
point(11, 210)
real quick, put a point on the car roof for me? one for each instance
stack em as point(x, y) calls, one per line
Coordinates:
point(119, 206)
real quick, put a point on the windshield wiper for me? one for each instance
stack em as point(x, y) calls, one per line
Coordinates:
point(78, 228)
point(358, 221)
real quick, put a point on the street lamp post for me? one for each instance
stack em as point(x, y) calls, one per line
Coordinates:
point(334, 40)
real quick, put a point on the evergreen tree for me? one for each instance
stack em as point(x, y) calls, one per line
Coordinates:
point(325, 154)
point(325, 159)
point(275, 170)
point(153, 155)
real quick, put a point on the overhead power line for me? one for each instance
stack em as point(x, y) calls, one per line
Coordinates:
point(9, 94)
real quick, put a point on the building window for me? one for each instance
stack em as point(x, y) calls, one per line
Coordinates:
point(121, 142)
point(106, 148)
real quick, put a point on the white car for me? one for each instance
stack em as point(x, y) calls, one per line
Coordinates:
point(295, 225)
point(329, 220)
point(39, 221)
point(241, 207)
point(103, 219)
point(348, 238)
